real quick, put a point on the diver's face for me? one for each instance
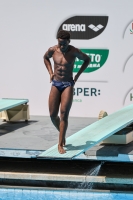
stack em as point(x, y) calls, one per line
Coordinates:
point(63, 44)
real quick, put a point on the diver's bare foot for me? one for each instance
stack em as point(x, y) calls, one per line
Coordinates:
point(64, 143)
point(61, 150)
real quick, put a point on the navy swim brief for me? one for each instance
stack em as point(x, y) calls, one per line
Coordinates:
point(62, 85)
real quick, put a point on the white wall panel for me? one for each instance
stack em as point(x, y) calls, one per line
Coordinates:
point(28, 29)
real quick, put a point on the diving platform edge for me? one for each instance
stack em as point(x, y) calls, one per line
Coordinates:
point(91, 135)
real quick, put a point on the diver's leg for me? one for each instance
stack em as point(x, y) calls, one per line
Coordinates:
point(66, 102)
point(54, 103)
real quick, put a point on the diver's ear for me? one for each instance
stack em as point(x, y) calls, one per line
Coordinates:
point(69, 40)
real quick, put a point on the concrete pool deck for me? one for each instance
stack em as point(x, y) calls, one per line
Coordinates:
point(27, 140)
point(21, 143)
point(65, 178)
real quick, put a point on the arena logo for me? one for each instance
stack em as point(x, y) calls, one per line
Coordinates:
point(85, 27)
point(74, 27)
point(98, 59)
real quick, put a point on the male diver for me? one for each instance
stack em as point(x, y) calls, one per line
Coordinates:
point(61, 94)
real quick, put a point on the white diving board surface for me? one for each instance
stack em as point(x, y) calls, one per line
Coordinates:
point(91, 135)
point(6, 104)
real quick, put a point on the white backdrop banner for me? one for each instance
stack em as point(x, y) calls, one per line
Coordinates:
point(101, 29)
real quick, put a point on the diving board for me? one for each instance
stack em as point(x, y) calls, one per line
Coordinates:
point(14, 109)
point(6, 104)
point(91, 135)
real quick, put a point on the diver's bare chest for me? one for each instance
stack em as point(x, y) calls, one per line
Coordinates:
point(63, 59)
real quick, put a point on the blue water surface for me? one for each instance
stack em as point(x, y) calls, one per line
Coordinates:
point(48, 194)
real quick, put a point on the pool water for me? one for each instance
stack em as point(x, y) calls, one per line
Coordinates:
point(54, 194)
